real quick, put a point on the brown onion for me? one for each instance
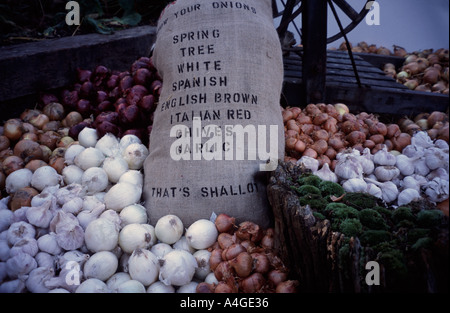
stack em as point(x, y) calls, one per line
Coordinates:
point(49, 139)
point(276, 276)
point(225, 240)
point(378, 128)
point(296, 111)
point(331, 153)
point(215, 258)
point(356, 137)
point(52, 125)
point(393, 130)
point(2, 181)
point(431, 76)
point(249, 231)
point(242, 264)
point(389, 143)
point(299, 146)
point(444, 133)
point(11, 164)
point(336, 143)
point(35, 164)
point(307, 129)
point(320, 146)
point(323, 159)
point(12, 129)
point(402, 141)
point(4, 143)
point(28, 150)
point(29, 114)
point(319, 119)
point(232, 251)
point(205, 288)
point(223, 287)
point(378, 138)
point(224, 223)
point(54, 110)
point(39, 121)
point(312, 109)
point(349, 126)
point(310, 153)
point(73, 118)
point(433, 133)
point(249, 245)
point(290, 143)
point(224, 271)
point(331, 125)
point(435, 117)
point(260, 263)
point(369, 144)
point(292, 125)
point(302, 118)
point(252, 284)
point(288, 286)
point(320, 134)
point(267, 241)
point(22, 197)
point(58, 163)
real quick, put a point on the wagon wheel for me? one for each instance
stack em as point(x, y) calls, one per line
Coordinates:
point(291, 9)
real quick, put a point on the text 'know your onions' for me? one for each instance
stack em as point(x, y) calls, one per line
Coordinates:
point(228, 144)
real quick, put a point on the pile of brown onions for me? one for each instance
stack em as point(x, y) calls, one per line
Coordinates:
point(321, 131)
point(243, 261)
point(434, 123)
point(38, 137)
point(364, 47)
point(425, 71)
point(119, 103)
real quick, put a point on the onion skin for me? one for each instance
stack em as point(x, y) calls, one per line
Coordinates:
point(224, 223)
point(249, 231)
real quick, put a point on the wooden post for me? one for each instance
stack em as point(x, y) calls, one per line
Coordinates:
point(314, 23)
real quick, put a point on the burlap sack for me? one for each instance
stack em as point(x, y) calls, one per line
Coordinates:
point(218, 128)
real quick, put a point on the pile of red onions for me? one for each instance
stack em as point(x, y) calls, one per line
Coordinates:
point(321, 131)
point(244, 261)
point(119, 103)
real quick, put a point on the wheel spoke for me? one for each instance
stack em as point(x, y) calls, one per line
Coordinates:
point(347, 9)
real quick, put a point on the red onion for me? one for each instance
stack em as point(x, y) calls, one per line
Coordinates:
point(232, 251)
point(215, 259)
point(225, 240)
point(242, 264)
point(126, 83)
point(83, 75)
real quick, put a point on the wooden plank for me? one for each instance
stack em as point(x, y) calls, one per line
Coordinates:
point(33, 67)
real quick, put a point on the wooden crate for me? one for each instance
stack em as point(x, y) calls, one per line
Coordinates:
point(378, 93)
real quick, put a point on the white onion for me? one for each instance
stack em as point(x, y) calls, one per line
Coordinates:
point(143, 266)
point(101, 235)
point(115, 167)
point(202, 234)
point(71, 152)
point(161, 249)
point(211, 278)
point(95, 180)
point(45, 176)
point(134, 236)
point(183, 244)
point(131, 286)
point(160, 287)
point(134, 177)
point(169, 229)
point(18, 179)
point(127, 140)
point(101, 265)
point(72, 174)
point(88, 137)
point(92, 285)
point(133, 214)
point(135, 155)
point(89, 157)
point(202, 257)
point(122, 195)
point(177, 268)
point(188, 288)
point(116, 280)
point(108, 144)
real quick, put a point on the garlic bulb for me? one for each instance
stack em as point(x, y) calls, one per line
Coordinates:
point(85, 217)
point(409, 182)
point(436, 158)
point(407, 196)
point(355, 185)
point(20, 264)
point(25, 245)
point(437, 190)
point(421, 168)
point(308, 163)
point(69, 233)
point(40, 216)
point(386, 173)
point(383, 157)
point(348, 168)
point(74, 205)
point(47, 243)
point(6, 218)
point(374, 190)
point(422, 140)
point(13, 286)
point(19, 230)
point(440, 172)
point(366, 162)
point(405, 164)
point(389, 190)
point(325, 173)
point(44, 259)
point(37, 278)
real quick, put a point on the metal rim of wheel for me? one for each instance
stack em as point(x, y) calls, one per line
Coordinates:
point(294, 8)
